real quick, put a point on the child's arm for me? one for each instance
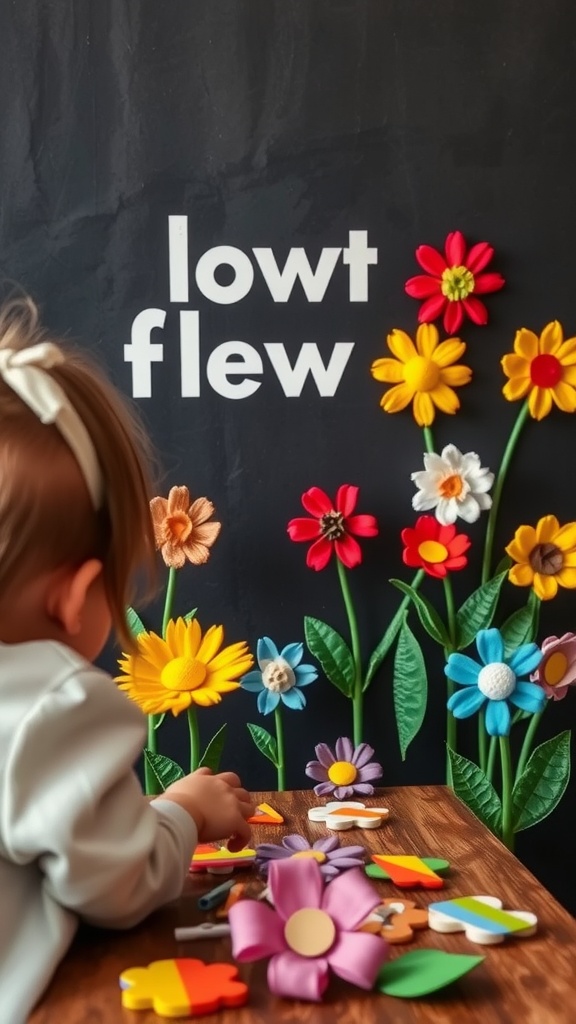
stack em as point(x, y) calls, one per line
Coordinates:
point(72, 804)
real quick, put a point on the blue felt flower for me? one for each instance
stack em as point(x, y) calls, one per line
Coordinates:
point(280, 677)
point(495, 682)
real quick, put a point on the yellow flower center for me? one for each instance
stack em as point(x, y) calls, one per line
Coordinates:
point(457, 283)
point(555, 668)
point(432, 551)
point(183, 674)
point(310, 855)
point(342, 773)
point(178, 527)
point(310, 932)
point(421, 374)
point(451, 486)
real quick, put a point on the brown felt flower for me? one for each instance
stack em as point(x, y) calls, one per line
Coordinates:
point(181, 528)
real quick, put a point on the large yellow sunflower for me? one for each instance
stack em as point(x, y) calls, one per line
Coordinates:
point(186, 668)
point(544, 368)
point(545, 557)
point(423, 373)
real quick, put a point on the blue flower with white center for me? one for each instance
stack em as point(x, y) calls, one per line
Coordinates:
point(280, 677)
point(495, 682)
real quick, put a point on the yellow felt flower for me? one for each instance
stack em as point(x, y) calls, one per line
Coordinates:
point(186, 668)
point(544, 368)
point(545, 557)
point(423, 373)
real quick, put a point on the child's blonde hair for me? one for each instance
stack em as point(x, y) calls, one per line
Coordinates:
point(47, 519)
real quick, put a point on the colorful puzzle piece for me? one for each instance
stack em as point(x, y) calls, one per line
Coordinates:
point(218, 860)
point(265, 815)
point(481, 918)
point(182, 987)
point(407, 872)
point(396, 921)
point(436, 863)
point(340, 815)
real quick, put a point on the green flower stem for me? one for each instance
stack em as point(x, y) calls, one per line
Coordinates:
point(506, 762)
point(151, 783)
point(281, 766)
point(527, 744)
point(491, 759)
point(357, 707)
point(497, 492)
point(194, 738)
point(169, 599)
point(450, 720)
point(428, 439)
point(482, 740)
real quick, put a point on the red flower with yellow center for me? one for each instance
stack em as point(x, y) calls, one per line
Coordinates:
point(453, 282)
point(435, 548)
point(332, 527)
point(544, 368)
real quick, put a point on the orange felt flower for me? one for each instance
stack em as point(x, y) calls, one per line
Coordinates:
point(181, 528)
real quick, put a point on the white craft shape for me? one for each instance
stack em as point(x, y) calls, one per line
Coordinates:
point(482, 919)
point(339, 815)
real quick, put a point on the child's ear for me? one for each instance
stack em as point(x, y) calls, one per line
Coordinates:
point(68, 592)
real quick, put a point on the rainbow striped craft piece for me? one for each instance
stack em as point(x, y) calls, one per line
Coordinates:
point(481, 918)
point(218, 860)
point(408, 872)
point(182, 987)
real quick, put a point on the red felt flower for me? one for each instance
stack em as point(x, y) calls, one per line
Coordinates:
point(433, 547)
point(332, 527)
point(453, 282)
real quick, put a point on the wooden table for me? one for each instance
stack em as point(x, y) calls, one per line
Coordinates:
point(532, 981)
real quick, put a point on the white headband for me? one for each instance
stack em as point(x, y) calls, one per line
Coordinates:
point(23, 371)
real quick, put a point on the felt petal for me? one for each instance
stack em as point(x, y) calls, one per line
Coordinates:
point(445, 399)
point(356, 960)
point(551, 338)
point(397, 398)
point(401, 345)
point(317, 502)
point(449, 351)
point(479, 257)
point(318, 554)
point(388, 371)
point(266, 650)
point(431, 260)
point(431, 308)
point(305, 674)
point(314, 770)
point(485, 283)
point(532, 699)
point(516, 389)
point(421, 287)
point(293, 699)
point(295, 843)
point(363, 789)
point(362, 754)
point(567, 578)
point(293, 654)
point(521, 575)
point(324, 755)
point(297, 977)
point(564, 397)
point(490, 645)
point(330, 845)
point(545, 587)
point(525, 659)
point(497, 718)
point(462, 669)
point(455, 249)
point(565, 537)
point(423, 409)
point(303, 529)
point(344, 749)
point(346, 499)
point(427, 340)
point(267, 701)
point(370, 771)
point(350, 900)
point(324, 788)
point(256, 931)
point(295, 884)
point(348, 551)
point(453, 317)
point(475, 309)
point(252, 682)
point(540, 403)
point(464, 703)
point(362, 526)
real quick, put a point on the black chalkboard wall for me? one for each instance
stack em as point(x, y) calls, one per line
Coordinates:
point(274, 125)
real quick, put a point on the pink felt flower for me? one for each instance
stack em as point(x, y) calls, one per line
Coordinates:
point(556, 673)
point(310, 931)
point(453, 281)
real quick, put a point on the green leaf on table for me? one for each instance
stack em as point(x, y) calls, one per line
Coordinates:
point(422, 971)
point(381, 650)
point(165, 769)
point(211, 756)
point(520, 628)
point(427, 614)
point(134, 622)
point(477, 611)
point(265, 742)
point(542, 783)
point(410, 687)
point(190, 615)
point(333, 653)
point(475, 790)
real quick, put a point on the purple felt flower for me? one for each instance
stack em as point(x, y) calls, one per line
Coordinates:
point(329, 855)
point(345, 772)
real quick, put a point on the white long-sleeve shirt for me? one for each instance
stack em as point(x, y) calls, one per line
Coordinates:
point(77, 836)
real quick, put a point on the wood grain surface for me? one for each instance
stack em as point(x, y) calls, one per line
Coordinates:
point(532, 981)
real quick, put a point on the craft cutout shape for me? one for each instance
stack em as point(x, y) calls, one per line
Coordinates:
point(182, 987)
point(408, 872)
point(437, 864)
point(219, 860)
point(396, 921)
point(339, 815)
point(265, 815)
point(482, 919)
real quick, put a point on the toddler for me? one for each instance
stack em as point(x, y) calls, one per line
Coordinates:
point(78, 839)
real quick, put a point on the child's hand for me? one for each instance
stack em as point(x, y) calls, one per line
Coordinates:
point(218, 804)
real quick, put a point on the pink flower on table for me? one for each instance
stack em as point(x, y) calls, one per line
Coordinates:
point(557, 670)
point(345, 772)
point(310, 930)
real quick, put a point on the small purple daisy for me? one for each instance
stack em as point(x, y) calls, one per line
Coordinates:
point(345, 772)
point(330, 856)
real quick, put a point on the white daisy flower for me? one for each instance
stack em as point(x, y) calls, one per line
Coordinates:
point(454, 485)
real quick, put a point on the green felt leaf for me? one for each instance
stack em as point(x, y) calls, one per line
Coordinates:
point(333, 653)
point(520, 628)
point(427, 614)
point(190, 615)
point(211, 756)
point(382, 648)
point(504, 565)
point(134, 622)
point(165, 769)
point(265, 742)
point(475, 790)
point(434, 863)
point(542, 783)
point(410, 687)
point(477, 611)
point(423, 971)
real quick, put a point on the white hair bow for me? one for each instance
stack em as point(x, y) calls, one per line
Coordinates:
point(24, 372)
